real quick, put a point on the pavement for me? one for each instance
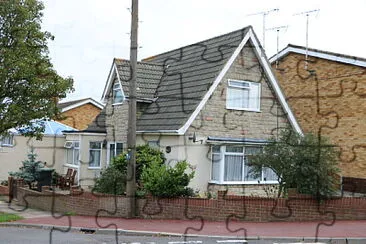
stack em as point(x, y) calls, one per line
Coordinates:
point(45, 220)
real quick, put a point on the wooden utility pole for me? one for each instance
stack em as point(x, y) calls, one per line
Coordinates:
point(131, 136)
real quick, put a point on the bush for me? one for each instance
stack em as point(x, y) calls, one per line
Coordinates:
point(113, 179)
point(165, 181)
point(307, 163)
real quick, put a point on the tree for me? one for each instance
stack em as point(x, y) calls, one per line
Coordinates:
point(29, 172)
point(29, 85)
point(307, 163)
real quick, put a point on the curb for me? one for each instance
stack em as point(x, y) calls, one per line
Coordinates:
point(160, 233)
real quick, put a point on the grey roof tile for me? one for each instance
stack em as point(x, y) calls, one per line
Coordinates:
point(188, 73)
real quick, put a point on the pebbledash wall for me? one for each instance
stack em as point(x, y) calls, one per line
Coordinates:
point(298, 208)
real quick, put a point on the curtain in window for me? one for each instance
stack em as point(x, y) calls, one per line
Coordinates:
point(216, 158)
point(238, 98)
point(269, 175)
point(94, 158)
point(233, 168)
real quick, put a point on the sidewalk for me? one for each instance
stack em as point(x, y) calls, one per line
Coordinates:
point(42, 219)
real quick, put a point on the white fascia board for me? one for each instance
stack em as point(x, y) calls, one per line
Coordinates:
point(85, 133)
point(89, 100)
point(113, 71)
point(217, 81)
point(159, 132)
point(327, 56)
point(272, 79)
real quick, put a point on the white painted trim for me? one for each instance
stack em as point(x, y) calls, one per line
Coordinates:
point(213, 87)
point(262, 58)
point(106, 87)
point(318, 54)
point(268, 70)
point(111, 76)
point(85, 133)
point(166, 132)
point(89, 100)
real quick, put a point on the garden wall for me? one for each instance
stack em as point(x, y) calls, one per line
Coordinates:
point(299, 208)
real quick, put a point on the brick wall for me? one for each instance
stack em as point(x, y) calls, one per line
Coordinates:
point(338, 114)
point(4, 190)
point(80, 117)
point(300, 208)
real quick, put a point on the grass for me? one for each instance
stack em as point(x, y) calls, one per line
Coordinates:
point(8, 217)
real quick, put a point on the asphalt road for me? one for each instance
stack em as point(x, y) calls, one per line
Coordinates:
point(41, 236)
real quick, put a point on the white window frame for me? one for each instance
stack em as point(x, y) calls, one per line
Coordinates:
point(221, 167)
point(4, 140)
point(75, 147)
point(109, 156)
point(254, 94)
point(101, 154)
point(116, 87)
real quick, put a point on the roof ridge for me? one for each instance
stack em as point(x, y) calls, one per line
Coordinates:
point(138, 62)
point(222, 35)
point(323, 51)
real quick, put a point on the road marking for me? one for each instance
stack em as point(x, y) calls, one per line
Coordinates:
point(232, 241)
point(183, 242)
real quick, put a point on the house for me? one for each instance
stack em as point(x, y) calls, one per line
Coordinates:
point(327, 94)
point(79, 113)
point(15, 147)
point(212, 103)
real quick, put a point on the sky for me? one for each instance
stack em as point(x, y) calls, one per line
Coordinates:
point(90, 33)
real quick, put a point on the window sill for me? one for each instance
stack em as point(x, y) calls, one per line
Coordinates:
point(71, 166)
point(245, 109)
point(243, 182)
point(94, 168)
point(116, 104)
point(7, 145)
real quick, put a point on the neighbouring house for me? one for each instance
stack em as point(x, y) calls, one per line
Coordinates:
point(79, 113)
point(14, 148)
point(213, 103)
point(327, 92)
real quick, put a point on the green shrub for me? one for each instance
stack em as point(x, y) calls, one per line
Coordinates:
point(113, 179)
point(30, 169)
point(307, 163)
point(165, 181)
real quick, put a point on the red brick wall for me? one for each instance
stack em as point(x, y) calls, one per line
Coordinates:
point(301, 208)
point(4, 190)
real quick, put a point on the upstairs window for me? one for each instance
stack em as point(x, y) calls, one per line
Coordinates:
point(6, 141)
point(243, 95)
point(117, 93)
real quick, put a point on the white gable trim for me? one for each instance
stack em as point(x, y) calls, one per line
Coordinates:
point(112, 74)
point(327, 56)
point(223, 72)
point(89, 100)
point(268, 71)
point(267, 68)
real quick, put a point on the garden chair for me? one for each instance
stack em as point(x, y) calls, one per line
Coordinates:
point(70, 182)
point(63, 180)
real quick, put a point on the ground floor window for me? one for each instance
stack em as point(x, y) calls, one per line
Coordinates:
point(6, 141)
point(95, 154)
point(231, 164)
point(115, 149)
point(72, 152)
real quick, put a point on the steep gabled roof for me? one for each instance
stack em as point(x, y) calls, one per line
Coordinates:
point(180, 82)
point(189, 73)
point(65, 106)
point(337, 57)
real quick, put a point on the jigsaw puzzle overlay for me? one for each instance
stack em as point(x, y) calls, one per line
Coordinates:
point(214, 120)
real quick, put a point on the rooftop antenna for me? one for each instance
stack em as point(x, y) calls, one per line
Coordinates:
point(264, 13)
point(277, 29)
point(307, 13)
